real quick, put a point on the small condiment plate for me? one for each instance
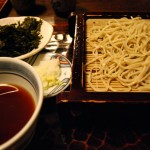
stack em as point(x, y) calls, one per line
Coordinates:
point(65, 67)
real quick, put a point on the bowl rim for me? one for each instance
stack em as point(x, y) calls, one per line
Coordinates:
point(36, 112)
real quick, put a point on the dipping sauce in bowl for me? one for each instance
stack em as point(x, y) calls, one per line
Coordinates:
point(16, 107)
point(21, 98)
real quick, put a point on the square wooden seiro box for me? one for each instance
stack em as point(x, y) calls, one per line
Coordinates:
point(79, 90)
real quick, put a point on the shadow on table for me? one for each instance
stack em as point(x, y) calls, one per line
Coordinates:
point(89, 126)
point(107, 126)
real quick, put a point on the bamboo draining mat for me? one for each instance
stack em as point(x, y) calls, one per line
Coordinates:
point(89, 56)
point(98, 83)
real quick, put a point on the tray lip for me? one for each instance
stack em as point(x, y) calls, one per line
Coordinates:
point(77, 92)
point(112, 14)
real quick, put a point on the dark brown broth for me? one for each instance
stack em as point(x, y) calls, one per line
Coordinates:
point(16, 108)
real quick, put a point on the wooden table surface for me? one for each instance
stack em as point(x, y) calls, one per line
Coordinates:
point(46, 12)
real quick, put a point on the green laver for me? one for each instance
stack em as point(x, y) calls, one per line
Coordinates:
point(20, 38)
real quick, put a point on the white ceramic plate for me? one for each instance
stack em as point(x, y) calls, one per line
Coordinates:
point(65, 66)
point(46, 32)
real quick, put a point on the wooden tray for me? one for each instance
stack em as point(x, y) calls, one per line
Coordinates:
point(78, 91)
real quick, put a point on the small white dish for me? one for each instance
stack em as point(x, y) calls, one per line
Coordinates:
point(65, 66)
point(46, 32)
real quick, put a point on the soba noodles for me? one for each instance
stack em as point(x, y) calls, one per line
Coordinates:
point(118, 55)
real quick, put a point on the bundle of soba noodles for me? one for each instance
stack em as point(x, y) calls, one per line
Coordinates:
point(118, 55)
